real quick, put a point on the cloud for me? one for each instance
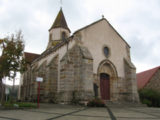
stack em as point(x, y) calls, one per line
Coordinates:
point(31, 17)
point(139, 26)
point(137, 21)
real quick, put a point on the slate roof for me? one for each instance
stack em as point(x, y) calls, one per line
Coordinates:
point(30, 57)
point(144, 77)
point(60, 21)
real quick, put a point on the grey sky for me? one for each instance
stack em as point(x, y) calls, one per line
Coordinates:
point(138, 21)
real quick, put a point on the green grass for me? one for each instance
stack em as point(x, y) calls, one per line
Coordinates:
point(20, 105)
point(27, 105)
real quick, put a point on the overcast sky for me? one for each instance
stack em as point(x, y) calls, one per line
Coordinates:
point(138, 21)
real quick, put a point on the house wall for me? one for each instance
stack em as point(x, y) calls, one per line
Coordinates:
point(154, 82)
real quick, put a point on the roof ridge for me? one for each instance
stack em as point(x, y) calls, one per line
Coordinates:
point(32, 53)
point(149, 70)
point(89, 25)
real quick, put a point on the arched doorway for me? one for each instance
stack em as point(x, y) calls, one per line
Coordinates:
point(105, 86)
point(107, 81)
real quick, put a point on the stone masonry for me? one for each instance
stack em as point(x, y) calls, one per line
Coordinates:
point(154, 81)
point(92, 62)
point(131, 93)
point(76, 75)
point(48, 87)
point(76, 78)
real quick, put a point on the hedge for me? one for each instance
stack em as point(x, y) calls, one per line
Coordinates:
point(150, 97)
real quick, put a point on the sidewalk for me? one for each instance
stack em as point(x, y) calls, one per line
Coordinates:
point(70, 112)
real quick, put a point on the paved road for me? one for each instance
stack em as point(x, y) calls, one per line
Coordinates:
point(67, 112)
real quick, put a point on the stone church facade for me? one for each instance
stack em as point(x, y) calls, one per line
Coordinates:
point(93, 62)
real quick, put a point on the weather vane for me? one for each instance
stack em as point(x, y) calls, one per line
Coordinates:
point(61, 3)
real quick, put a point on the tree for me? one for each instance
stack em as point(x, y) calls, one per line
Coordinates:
point(11, 59)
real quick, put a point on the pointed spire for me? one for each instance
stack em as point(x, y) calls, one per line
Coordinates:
point(60, 21)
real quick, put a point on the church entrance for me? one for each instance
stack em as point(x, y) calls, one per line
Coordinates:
point(107, 81)
point(105, 86)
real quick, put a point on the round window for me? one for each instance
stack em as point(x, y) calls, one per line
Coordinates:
point(106, 51)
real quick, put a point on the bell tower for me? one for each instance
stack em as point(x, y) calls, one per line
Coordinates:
point(58, 31)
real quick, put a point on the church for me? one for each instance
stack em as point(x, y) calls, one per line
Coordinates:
point(93, 62)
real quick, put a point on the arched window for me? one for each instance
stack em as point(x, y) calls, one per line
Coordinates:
point(63, 36)
point(106, 51)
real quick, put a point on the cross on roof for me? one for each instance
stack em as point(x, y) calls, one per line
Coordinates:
point(61, 3)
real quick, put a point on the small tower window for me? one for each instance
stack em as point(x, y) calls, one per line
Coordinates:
point(63, 36)
point(50, 36)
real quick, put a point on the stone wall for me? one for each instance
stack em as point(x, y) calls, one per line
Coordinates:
point(25, 88)
point(48, 88)
point(121, 90)
point(76, 75)
point(52, 79)
point(130, 93)
point(33, 84)
point(76, 79)
point(154, 81)
point(66, 83)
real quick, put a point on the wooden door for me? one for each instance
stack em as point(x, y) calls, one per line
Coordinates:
point(105, 86)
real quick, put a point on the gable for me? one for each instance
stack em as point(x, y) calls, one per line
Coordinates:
point(94, 23)
point(99, 35)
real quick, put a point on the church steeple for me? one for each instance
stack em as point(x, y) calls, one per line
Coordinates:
point(60, 21)
point(59, 31)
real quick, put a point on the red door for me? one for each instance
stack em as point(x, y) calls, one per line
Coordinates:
point(104, 86)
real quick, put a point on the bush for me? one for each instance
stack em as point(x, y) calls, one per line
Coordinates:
point(147, 102)
point(96, 103)
point(150, 97)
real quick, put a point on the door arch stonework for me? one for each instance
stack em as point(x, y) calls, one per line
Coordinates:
point(108, 68)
